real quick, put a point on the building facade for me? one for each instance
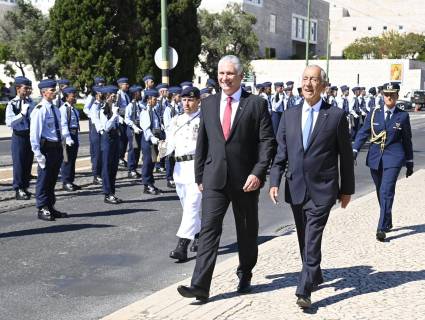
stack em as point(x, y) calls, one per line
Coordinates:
point(354, 19)
point(282, 25)
point(43, 5)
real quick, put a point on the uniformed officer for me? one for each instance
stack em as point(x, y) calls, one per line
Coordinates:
point(390, 148)
point(371, 100)
point(46, 143)
point(162, 165)
point(267, 94)
point(110, 142)
point(186, 84)
point(379, 101)
point(70, 123)
point(205, 92)
point(91, 97)
point(181, 139)
point(150, 122)
point(123, 100)
point(290, 100)
point(62, 83)
point(247, 89)
point(134, 132)
point(18, 113)
point(363, 103)
point(343, 100)
point(149, 84)
point(95, 137)
point(211, 85)
point(278, 105)
point(355, 113)
point(333, 91)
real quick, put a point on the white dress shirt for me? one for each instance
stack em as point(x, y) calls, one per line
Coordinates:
point(388, 109)
point(236, 97)
point(306, 110)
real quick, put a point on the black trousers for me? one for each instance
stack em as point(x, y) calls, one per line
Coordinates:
point(214, 206)
point(310, 221)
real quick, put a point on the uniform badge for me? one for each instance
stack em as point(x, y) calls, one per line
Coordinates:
point(397, 126)
point(195, 131)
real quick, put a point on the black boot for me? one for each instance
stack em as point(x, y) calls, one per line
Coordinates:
point(194, 246)
point(180, 252)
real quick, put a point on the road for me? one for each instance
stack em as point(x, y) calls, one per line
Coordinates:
point(105, 257)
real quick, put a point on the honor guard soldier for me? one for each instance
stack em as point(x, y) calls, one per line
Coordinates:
point(247, 89)
point(150, 122)
point(300, 98)
point(343, 100)
point(278, 105)
point(333, 91)
point(62, 83)
point(268, 94)
point(110, 142)
point(70, 123)
point(363, 103)
point(371, 99)
point(163, 98)
point(123, 100)
point(290, 99)
point(390, 149)
point(355, 113)
point(211, 85)
point(46, 143)
point(134, 132)
point(91, 97)
point(149, 84)
point(186, 84)
point(181, 140)
point(95, 137)
point(379, 101)
point(18, 113)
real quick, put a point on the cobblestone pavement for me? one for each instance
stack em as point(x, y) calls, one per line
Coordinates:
point(364, 278)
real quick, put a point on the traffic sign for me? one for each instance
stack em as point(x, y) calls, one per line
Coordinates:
point(173, 58)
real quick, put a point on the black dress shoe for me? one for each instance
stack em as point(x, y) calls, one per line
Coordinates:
point(244, 285)
point(122, 163)
point(304, 302)
point(68, 187)
point(76, 187)
point(389, 228)
point(171, 184)
point(193, 292)
point(134, 174)
point(21, 195)
point(112, 199)
point(195, 243)
point(97, 180)
point(29, 194)
point(151, 190)
point(58, 214)
point(45, 214)
point(380, 236)
point(180, 252)
point(32, 177)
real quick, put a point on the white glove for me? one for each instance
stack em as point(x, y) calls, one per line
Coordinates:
point(154, 140)
point(102, 131)
point(24, 109)
point(136, 129)
point(69, 142)
point(121, 120)
point(115, 109)
point(41, 160)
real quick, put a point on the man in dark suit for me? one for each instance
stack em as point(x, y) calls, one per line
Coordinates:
point(389, 130)
point(234, 149)
point(311, 137)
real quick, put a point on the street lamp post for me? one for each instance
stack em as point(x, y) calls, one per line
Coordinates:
point(307, 46)
point(164, 43)
point(328, 49)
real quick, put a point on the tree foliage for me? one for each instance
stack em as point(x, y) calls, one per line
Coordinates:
point(228, 32)
point(119, 38)
point(26, 39)
point(390, 45)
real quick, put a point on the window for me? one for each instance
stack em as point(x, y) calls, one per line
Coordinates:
point(300, 26)
point(400, 27)
point(354, 28)
point(258, 3)
point(270, 53)
point(369, 28)
point(272, 23)
point(385, 28)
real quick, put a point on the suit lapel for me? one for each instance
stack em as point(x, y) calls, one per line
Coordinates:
point(298, 125)
point(320, 122)
point(241, 108)
point(216, 115)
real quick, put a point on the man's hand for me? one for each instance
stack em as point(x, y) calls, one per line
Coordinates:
point(136, 129)
point(115, 109)
point(409, 169)
point(200, 187)
point(154, 140)
point(344, 199)
point(274, 194)
point(121, 120)
point(69, 142)
point(252, 183)
point(41, 160)
point(24, 109)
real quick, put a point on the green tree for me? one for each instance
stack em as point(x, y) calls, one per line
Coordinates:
point(391, 45)
point(119, 38)
point(228, 32)
point(26, 33)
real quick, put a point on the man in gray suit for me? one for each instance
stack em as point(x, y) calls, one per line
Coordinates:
point(311, 138)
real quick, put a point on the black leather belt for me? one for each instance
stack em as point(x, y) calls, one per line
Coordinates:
point(186, 157)
point(22, 133)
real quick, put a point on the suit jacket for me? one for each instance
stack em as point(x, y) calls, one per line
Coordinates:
point(248, 150)
point(314, 170)
point(398, 144)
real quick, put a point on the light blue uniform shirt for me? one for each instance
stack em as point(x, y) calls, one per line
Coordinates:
point(278, 104)
point(95, 111)
point(149, 119)
point(108, 124)
point(18, 121)
point(72, 123)
point(172, 110)
point(132, 112)
point(123, 101)
point(43, 124)
point(88, 104)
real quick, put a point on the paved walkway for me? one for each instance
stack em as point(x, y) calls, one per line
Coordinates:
point(364, 278)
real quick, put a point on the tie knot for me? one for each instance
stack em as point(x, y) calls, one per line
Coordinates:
point(229, 99)
point(388, 112)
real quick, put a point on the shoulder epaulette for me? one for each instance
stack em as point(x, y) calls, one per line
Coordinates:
point(38, 106)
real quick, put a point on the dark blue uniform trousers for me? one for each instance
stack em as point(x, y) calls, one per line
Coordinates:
point(123, 140)
point(68, 168)
point(169, 167)
point(276, 120)
point(22, 157)
point(310, 221)
point(110, 158)
point(95, 152)
point(355, 128)
point(148, 164)
point(385, 180)
point(133, 154)
point(47, 177)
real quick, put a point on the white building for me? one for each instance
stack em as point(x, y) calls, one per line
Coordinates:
point(354, 19)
